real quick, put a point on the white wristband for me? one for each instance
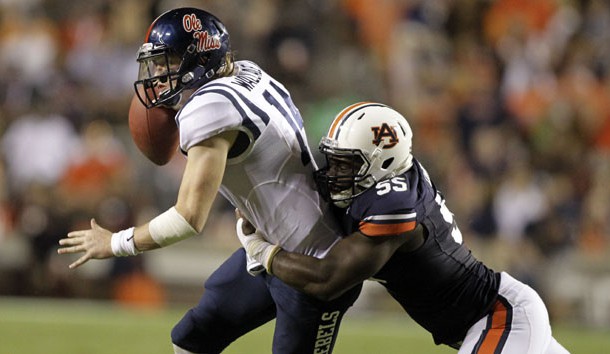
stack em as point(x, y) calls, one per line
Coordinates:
point(123, 243)
point(170, 227)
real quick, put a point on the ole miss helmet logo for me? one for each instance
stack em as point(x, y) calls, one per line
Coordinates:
point(386, 133)
point(205, 41)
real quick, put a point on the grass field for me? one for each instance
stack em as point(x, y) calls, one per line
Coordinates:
point(81, 327)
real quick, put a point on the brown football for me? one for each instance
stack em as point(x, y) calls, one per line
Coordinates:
point(154, 131)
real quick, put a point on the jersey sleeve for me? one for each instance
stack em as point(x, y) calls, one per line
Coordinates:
point(385, 214)
point(387, 224)
point(206, 116)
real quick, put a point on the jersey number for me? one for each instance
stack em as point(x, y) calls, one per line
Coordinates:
point(449, 218)
point(293, 118)
point(396, 184)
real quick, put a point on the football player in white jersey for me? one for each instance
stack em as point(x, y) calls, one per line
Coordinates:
point(242, 136)
point(404, 236)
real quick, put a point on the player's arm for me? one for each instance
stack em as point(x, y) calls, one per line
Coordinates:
point(200, 182)
point(352, 260)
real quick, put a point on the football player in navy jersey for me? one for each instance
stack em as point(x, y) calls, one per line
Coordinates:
point(404, 236)
point(242, 137)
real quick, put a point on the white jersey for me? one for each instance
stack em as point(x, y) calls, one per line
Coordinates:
point(269, 174)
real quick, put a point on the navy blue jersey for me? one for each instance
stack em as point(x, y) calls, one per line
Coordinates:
point(440, 284)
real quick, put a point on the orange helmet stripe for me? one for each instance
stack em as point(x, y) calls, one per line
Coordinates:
point(340, 116)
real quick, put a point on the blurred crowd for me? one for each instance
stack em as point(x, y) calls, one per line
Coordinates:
point(509, 101)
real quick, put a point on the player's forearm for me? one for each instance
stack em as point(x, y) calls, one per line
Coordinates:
point(143, 240)
point(200, 182)
point(352, 260)
point(308, 274)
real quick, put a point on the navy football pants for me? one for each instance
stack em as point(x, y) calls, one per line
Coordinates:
point(234, 303)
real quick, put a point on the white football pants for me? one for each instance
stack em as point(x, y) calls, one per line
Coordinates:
point(518, 325)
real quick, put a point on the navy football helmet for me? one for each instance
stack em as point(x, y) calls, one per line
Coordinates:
point(184, 48)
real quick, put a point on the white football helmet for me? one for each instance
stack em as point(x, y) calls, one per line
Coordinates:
point(367, 142)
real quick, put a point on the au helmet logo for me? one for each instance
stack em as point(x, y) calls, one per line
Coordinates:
point(385, 132)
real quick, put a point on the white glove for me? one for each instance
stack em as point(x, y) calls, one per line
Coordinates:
point(253, 266)
point(257, 248)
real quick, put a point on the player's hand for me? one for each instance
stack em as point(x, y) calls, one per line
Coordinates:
point(253, 266)
point(94, 243)
point(255, 244)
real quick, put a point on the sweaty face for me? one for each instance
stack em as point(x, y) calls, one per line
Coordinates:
point(343, 170)
point(158, 75)
point(159, 69)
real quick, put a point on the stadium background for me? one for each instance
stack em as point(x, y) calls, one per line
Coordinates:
point(509, 102)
